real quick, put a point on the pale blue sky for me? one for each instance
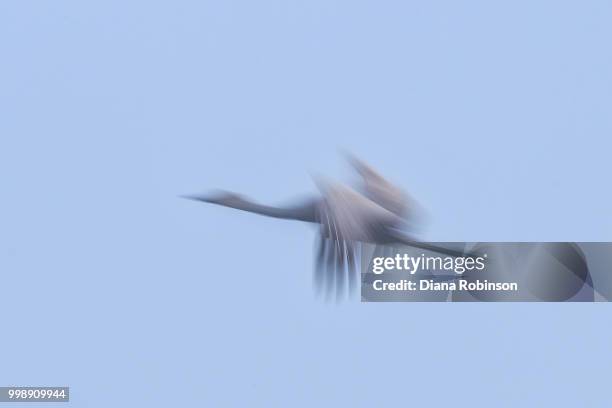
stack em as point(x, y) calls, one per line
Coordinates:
point(495, 115)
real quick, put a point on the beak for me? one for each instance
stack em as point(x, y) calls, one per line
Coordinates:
point(196, 198)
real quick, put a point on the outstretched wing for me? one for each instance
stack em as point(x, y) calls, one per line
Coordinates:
point(336, 268)
point(349, 215)
point(380, 190)
point(347, 218)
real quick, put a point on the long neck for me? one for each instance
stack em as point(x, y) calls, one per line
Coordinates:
point(300, 213)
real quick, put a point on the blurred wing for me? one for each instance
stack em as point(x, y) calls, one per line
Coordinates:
point(336, 268)
point(380, 190)
point(351, 216)
point(346, 218)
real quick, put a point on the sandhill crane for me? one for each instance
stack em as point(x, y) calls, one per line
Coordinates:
point(346, 217)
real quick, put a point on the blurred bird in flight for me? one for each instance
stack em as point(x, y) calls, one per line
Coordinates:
point(376, 212)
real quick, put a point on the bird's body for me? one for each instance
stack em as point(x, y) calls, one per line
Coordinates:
point(346, 214)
